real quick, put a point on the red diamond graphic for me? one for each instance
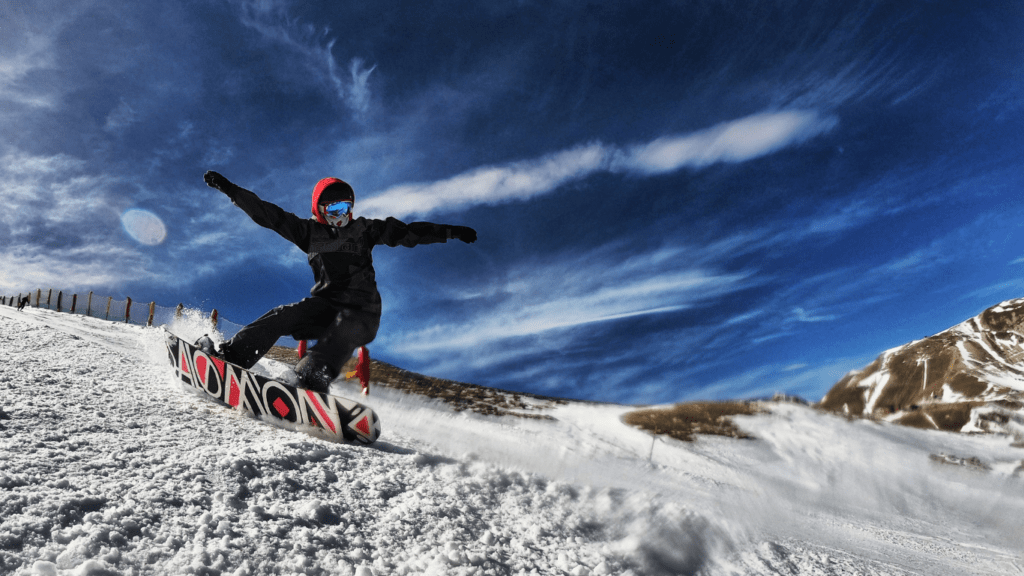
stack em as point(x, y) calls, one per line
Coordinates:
point(282, 407)
point(364, 425)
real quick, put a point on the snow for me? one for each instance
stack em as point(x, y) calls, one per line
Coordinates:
point(996, 369)
point(109, 466)
point(876, 385)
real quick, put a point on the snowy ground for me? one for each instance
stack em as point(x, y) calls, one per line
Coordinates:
point(107, 466)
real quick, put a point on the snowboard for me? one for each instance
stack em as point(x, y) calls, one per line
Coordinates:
point(328, 416)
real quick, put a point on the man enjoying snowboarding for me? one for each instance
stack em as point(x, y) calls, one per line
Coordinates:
point(344, 307)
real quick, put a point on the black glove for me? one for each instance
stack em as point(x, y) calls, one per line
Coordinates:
point(464, 233)
point(215, 180)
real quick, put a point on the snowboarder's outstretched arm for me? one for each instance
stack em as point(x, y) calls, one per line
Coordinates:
point(266, 214)
point(303, 233)
point(393, 232)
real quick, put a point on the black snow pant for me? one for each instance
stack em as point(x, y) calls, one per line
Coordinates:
point(338, 332)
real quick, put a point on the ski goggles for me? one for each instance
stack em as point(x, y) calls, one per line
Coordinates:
point(338, 209)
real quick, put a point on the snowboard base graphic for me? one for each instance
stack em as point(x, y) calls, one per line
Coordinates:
point(331, 417)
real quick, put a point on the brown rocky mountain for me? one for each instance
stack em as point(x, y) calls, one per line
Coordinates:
point(969, 378)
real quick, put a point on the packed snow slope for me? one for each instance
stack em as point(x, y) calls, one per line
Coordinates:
point(969, 378)
point(109, 466)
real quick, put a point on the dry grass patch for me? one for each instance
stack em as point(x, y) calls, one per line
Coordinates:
point(684, 421)
point(948, 417)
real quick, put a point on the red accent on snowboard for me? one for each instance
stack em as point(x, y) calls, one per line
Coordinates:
point(220, 366)
point(184, 362)
point(235, 392)
point(320, 409)
point(201, 368)
point(282, 407)
point(364, 425)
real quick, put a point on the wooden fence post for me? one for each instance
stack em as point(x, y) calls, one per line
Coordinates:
point(128, 309)
point(88, 306)
point(39, 294)
point(213, 317)
point(109, 300)
point(74, 302)
point(152, 310)
point(60, 297)
point(49, 295)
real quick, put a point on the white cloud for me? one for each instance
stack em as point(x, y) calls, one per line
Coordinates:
point(21, 164)
point(28, 267)
point(29, 41)
point(737, 141)
point(540, 298)
point(801, 315)
point(357, 94)
point(489, 185)
point(270, 18)
point(34, 53)
point(61, 227)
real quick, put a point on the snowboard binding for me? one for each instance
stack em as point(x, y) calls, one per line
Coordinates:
point(362, 370)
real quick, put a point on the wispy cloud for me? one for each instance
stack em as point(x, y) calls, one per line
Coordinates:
point(61, 226)
point(120, 117)
point(491, 184)
point(537, 298)
point(801, 315)
point(350, 84)
point(731, 142)
point(356, 92)
point(13, 70)
point(736, 141)
point(31, 53)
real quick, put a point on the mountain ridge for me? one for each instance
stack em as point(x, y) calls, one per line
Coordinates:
point(967, 378)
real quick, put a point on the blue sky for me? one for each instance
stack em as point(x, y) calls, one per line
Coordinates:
point(675, 200)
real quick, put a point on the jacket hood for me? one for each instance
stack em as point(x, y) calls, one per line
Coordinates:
point(330, 190)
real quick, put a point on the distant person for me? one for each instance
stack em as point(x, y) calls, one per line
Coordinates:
point(343, 311)
point(22, 303)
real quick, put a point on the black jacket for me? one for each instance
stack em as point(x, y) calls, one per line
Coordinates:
point(340, 257)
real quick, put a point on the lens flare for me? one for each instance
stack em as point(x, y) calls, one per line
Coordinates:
point(144, 226)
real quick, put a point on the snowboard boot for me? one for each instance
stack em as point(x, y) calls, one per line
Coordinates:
point(314, 373)
point(205, 343)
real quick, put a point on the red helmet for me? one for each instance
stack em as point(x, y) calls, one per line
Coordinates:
point(328, 191)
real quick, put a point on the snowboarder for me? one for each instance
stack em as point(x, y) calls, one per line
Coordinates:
point(344, 307)
point(23, 302)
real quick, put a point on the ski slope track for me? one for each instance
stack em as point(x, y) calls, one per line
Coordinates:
point(109, 466)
